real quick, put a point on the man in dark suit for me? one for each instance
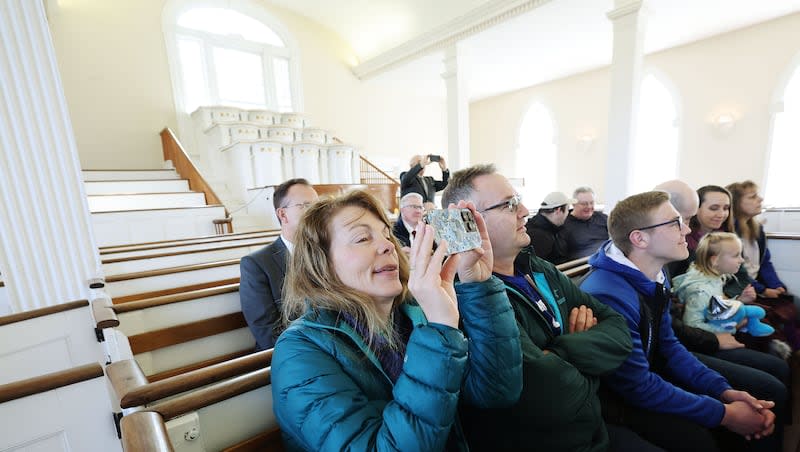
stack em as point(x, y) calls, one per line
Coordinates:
point(415, 181)
point(262, 272)
point(411, 210)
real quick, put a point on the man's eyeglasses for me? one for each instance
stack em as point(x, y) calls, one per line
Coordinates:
point(584, 203)
point(302, 205)
point(676, 221)
point(415, 207)
point(512, 204)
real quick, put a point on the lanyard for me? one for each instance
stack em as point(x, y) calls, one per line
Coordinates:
point(543, 306)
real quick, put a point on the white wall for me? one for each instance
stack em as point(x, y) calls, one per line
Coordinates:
point(117, 82)
point(736, 72)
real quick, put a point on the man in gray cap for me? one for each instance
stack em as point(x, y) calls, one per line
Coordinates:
point(544, 228)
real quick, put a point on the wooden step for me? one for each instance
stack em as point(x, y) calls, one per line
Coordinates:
point(136, 186)
point(140, 201)
point(151, 225)
point(132, 174)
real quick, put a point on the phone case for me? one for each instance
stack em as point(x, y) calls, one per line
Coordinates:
point(457, 226)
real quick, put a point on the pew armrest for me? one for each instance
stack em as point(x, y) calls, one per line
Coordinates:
point(125, 376)
point(144, 431)
point(104, 315)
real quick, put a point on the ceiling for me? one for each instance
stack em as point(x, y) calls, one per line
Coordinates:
point(557, 39)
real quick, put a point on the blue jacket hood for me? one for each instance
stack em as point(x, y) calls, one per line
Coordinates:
point(632, 276)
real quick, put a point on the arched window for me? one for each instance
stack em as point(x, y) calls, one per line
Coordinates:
point(784, 155)
point(536, 155)
point(655, 151)
point(230, 52)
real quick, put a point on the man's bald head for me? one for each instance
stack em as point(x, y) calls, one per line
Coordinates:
point(682, 197)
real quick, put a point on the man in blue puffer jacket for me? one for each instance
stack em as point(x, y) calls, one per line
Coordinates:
point(662, 391)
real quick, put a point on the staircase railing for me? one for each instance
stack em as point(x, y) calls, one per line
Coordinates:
point(174, 152)
point(371, 174)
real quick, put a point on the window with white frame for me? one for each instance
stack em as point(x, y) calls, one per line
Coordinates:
point(655, 151)
point(225, 56)
point(784, 156)
point(536, 155)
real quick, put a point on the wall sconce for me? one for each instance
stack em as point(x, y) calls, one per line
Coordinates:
point(586, 142)
point(724, 123)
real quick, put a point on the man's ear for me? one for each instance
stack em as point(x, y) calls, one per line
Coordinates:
point(282, 216)
point(639, 239)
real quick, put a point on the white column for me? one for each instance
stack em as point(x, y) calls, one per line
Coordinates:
point(457, 111)
point(47, 249)
point(629, 30)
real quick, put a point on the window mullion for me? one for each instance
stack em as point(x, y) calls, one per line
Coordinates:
point(269, 81)
point(211, 70)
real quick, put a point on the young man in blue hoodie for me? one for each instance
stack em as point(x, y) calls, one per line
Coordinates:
point(662, 391)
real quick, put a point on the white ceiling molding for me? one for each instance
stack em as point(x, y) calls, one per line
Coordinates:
point(477, 20)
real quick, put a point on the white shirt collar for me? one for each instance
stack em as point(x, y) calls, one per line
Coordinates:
point(616, 255)
point(289, 245)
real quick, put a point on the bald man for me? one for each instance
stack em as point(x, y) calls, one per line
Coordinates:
point(763, 375)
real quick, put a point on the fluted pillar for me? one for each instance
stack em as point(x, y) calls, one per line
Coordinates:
point(626, 63)
point(47, 249)
point(457, 111)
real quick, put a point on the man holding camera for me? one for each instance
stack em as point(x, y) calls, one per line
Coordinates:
point(415, 181)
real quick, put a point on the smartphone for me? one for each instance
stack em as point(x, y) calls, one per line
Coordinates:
point(434, 158)
point(457, 226)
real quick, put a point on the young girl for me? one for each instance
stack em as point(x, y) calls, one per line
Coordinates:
point(719, 256)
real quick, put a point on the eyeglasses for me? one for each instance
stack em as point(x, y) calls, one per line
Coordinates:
point(512, 204)
point(302, 205)
point(584, 203)
point(415, 207)
point(676, 221)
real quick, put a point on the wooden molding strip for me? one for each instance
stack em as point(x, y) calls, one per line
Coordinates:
point(168, 387)
point(176, 298)
point(48, 382)
point(144, 431)
point(198, 365)
point(41, 312)
point(170, 270)
point(210, 395)
point(172, 291)
point(144, 194)
point(783, 236)
point(270, 441)
point(572, 264)
point(184, 252)
point(125, 376)
point(215, 237)
point(104, 315)
point(130, 170)
point(154, 340)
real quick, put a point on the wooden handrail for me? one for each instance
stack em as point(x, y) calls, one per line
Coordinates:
point(210, 395)
point(152, 392)
point(171, 291)
point(104, 315)
point(186, 241)
point(144, 431)
point(185, 332)
point(41, 312)
point(184, 252)
point(573, 263)
point(169, 373)
point(174, 298)
point(183, 165)
point(48, 382)
point(577, 271)
point(375, 168)
point(125, 376)
point(170, 270)
point(783, 236)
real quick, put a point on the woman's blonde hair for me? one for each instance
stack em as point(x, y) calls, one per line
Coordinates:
point(311, 281)
point(711, 245)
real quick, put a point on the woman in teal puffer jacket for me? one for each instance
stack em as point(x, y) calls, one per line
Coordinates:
point(364, 367)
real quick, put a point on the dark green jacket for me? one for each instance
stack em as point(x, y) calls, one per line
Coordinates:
point(559, 409)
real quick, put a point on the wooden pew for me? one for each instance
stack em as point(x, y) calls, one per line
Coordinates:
point(127, 284)
point(576, 268)
point(201, 242)
point(65, 410)
point(239, 389)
